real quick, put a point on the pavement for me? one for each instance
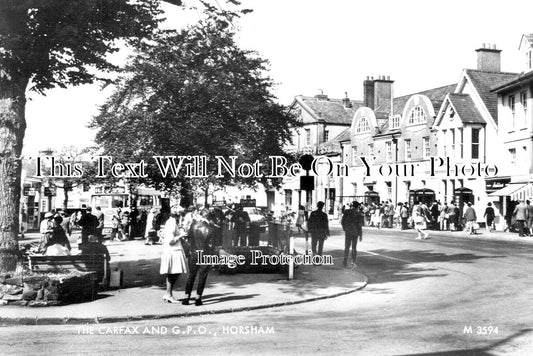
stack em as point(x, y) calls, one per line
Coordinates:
point(143, 289)
point(482, 235)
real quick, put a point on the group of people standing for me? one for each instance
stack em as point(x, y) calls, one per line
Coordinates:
point(523, 215)
point(126, 225)
point(56, 229)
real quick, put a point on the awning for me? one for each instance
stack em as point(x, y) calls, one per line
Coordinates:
point(148, 191)
point(515, 191)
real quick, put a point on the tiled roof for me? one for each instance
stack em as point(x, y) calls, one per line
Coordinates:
point(331, 110)
point(519, 80)
point(436, 96)
point(484, 82)
point(466, 109)
point(333, 146)
point(343, 136)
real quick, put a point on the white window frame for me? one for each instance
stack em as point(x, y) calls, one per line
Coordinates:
point(388, 151)
point(394, 122)
point(473, 144)
point(308, 137)
point(354, 155)
point(417, 115)
point(408, 150)
point(426, 148)
point(363, 125)
point(370, 149)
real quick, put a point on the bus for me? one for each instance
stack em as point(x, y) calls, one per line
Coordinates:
point(141, 198)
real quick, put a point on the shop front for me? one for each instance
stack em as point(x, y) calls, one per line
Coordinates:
point(426, 196)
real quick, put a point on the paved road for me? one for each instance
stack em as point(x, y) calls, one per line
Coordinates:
point(423, 297)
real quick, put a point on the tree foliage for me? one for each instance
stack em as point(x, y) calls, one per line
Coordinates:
point(194, 92)
point(60, 42)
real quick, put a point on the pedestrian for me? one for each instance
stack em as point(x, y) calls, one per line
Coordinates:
point(455, 215)
point(366, 212)
point(520, 212)
point(390, 215)
point(201, 240)
point(352, 223)
point(100, 227)
point(241, 221)
point(377, 216)
point(58, 235)
point(173, 260)
point(150, 233)
point(300, 220)
point(397, 217)
point(45, 228)
point(435, 212)
point(404, 216)
point(444, 216)
point(470, 218)
point(318, 226)
point(489, 217)
point(125, 223)
point(420, 220)
point(116, 229)
point(65, 223)
point(134, 222)
point(88, 223)
point(529, 218)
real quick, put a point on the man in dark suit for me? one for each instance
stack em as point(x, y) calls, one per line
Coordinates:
point(241, 219)
point(352, 224)
point(201, 235)
point(318, 226)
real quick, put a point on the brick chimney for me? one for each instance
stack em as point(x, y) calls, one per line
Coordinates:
point(383, 93)
point(488, 58)
point(368, 92)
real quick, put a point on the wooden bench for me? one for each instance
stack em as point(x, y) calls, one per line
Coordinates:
point(84, 263)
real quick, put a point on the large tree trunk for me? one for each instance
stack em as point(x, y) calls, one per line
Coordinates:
point(12, 127)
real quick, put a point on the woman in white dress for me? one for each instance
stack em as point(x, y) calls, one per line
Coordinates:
point(420, 225)
point(173, 260)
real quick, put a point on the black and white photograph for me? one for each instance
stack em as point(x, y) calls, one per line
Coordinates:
point(251, 177)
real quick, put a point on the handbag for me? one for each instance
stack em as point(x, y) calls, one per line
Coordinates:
point(475, 226)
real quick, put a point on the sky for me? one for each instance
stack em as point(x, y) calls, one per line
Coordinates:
point(326, 46)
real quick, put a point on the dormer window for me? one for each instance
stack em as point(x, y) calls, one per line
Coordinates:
point(363, 125)
point(417, 116)
point(394, 122)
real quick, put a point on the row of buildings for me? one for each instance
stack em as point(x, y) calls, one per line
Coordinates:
point(482, 126)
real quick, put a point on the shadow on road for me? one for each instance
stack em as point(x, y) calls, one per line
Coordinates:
point(383, 265)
